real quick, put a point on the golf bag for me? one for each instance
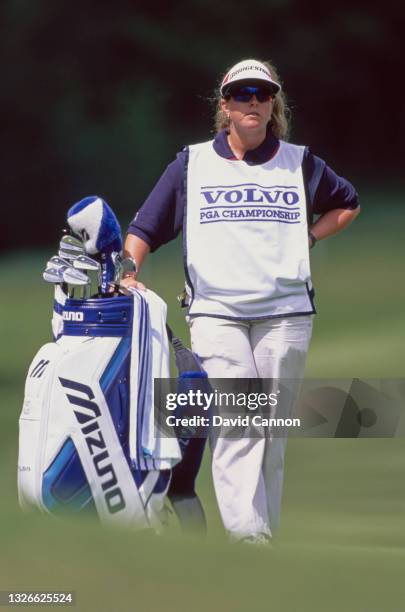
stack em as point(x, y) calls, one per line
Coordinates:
point(87, 439)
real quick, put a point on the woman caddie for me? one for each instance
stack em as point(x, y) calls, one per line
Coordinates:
point(248, 280)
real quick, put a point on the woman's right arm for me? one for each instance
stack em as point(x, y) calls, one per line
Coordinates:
point(138, 249)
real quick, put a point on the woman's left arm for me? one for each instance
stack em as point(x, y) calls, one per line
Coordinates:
point(332, 222)
point(331, 197)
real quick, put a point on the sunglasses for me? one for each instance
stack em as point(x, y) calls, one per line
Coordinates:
point(246, 93)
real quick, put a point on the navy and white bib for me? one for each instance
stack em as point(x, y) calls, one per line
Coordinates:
point(246, 235)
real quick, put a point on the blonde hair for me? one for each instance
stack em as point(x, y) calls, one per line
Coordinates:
point(280, 118)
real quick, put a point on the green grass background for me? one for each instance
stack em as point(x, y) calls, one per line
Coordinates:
point(341, 545)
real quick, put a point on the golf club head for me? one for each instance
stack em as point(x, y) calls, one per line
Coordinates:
point(74, 244)
point(117, 261)
point(58, 262)
point(66, 253)
point(128, 265)
point(70, 247)
point(83, 262)
point(75, 277)
point(116, 257)
point(53, 275)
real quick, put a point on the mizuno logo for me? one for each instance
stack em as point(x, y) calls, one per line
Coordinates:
point(71, 315)
point(87, 413)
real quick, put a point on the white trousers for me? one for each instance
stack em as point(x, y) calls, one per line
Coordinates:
point(248, 472)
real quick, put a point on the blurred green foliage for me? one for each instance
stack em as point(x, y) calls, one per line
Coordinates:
point(99, 97)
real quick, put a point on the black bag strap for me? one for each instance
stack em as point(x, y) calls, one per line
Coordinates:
point(186, 361)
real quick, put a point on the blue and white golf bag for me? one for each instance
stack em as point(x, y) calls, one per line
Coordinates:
point(87, 438)
point(87, 432)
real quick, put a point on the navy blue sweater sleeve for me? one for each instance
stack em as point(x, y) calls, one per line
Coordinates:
point(160, 218)
point(325, 189)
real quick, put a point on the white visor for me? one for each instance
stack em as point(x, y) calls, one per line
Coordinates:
point(249, 70)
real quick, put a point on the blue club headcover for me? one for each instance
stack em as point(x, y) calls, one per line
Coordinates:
point(93, 220)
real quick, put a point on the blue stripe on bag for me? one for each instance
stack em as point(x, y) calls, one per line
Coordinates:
point(64, 484)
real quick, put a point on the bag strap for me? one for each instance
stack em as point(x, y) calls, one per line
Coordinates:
point(187, 362)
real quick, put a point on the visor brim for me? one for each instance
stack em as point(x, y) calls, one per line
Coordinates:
point(272, 87)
